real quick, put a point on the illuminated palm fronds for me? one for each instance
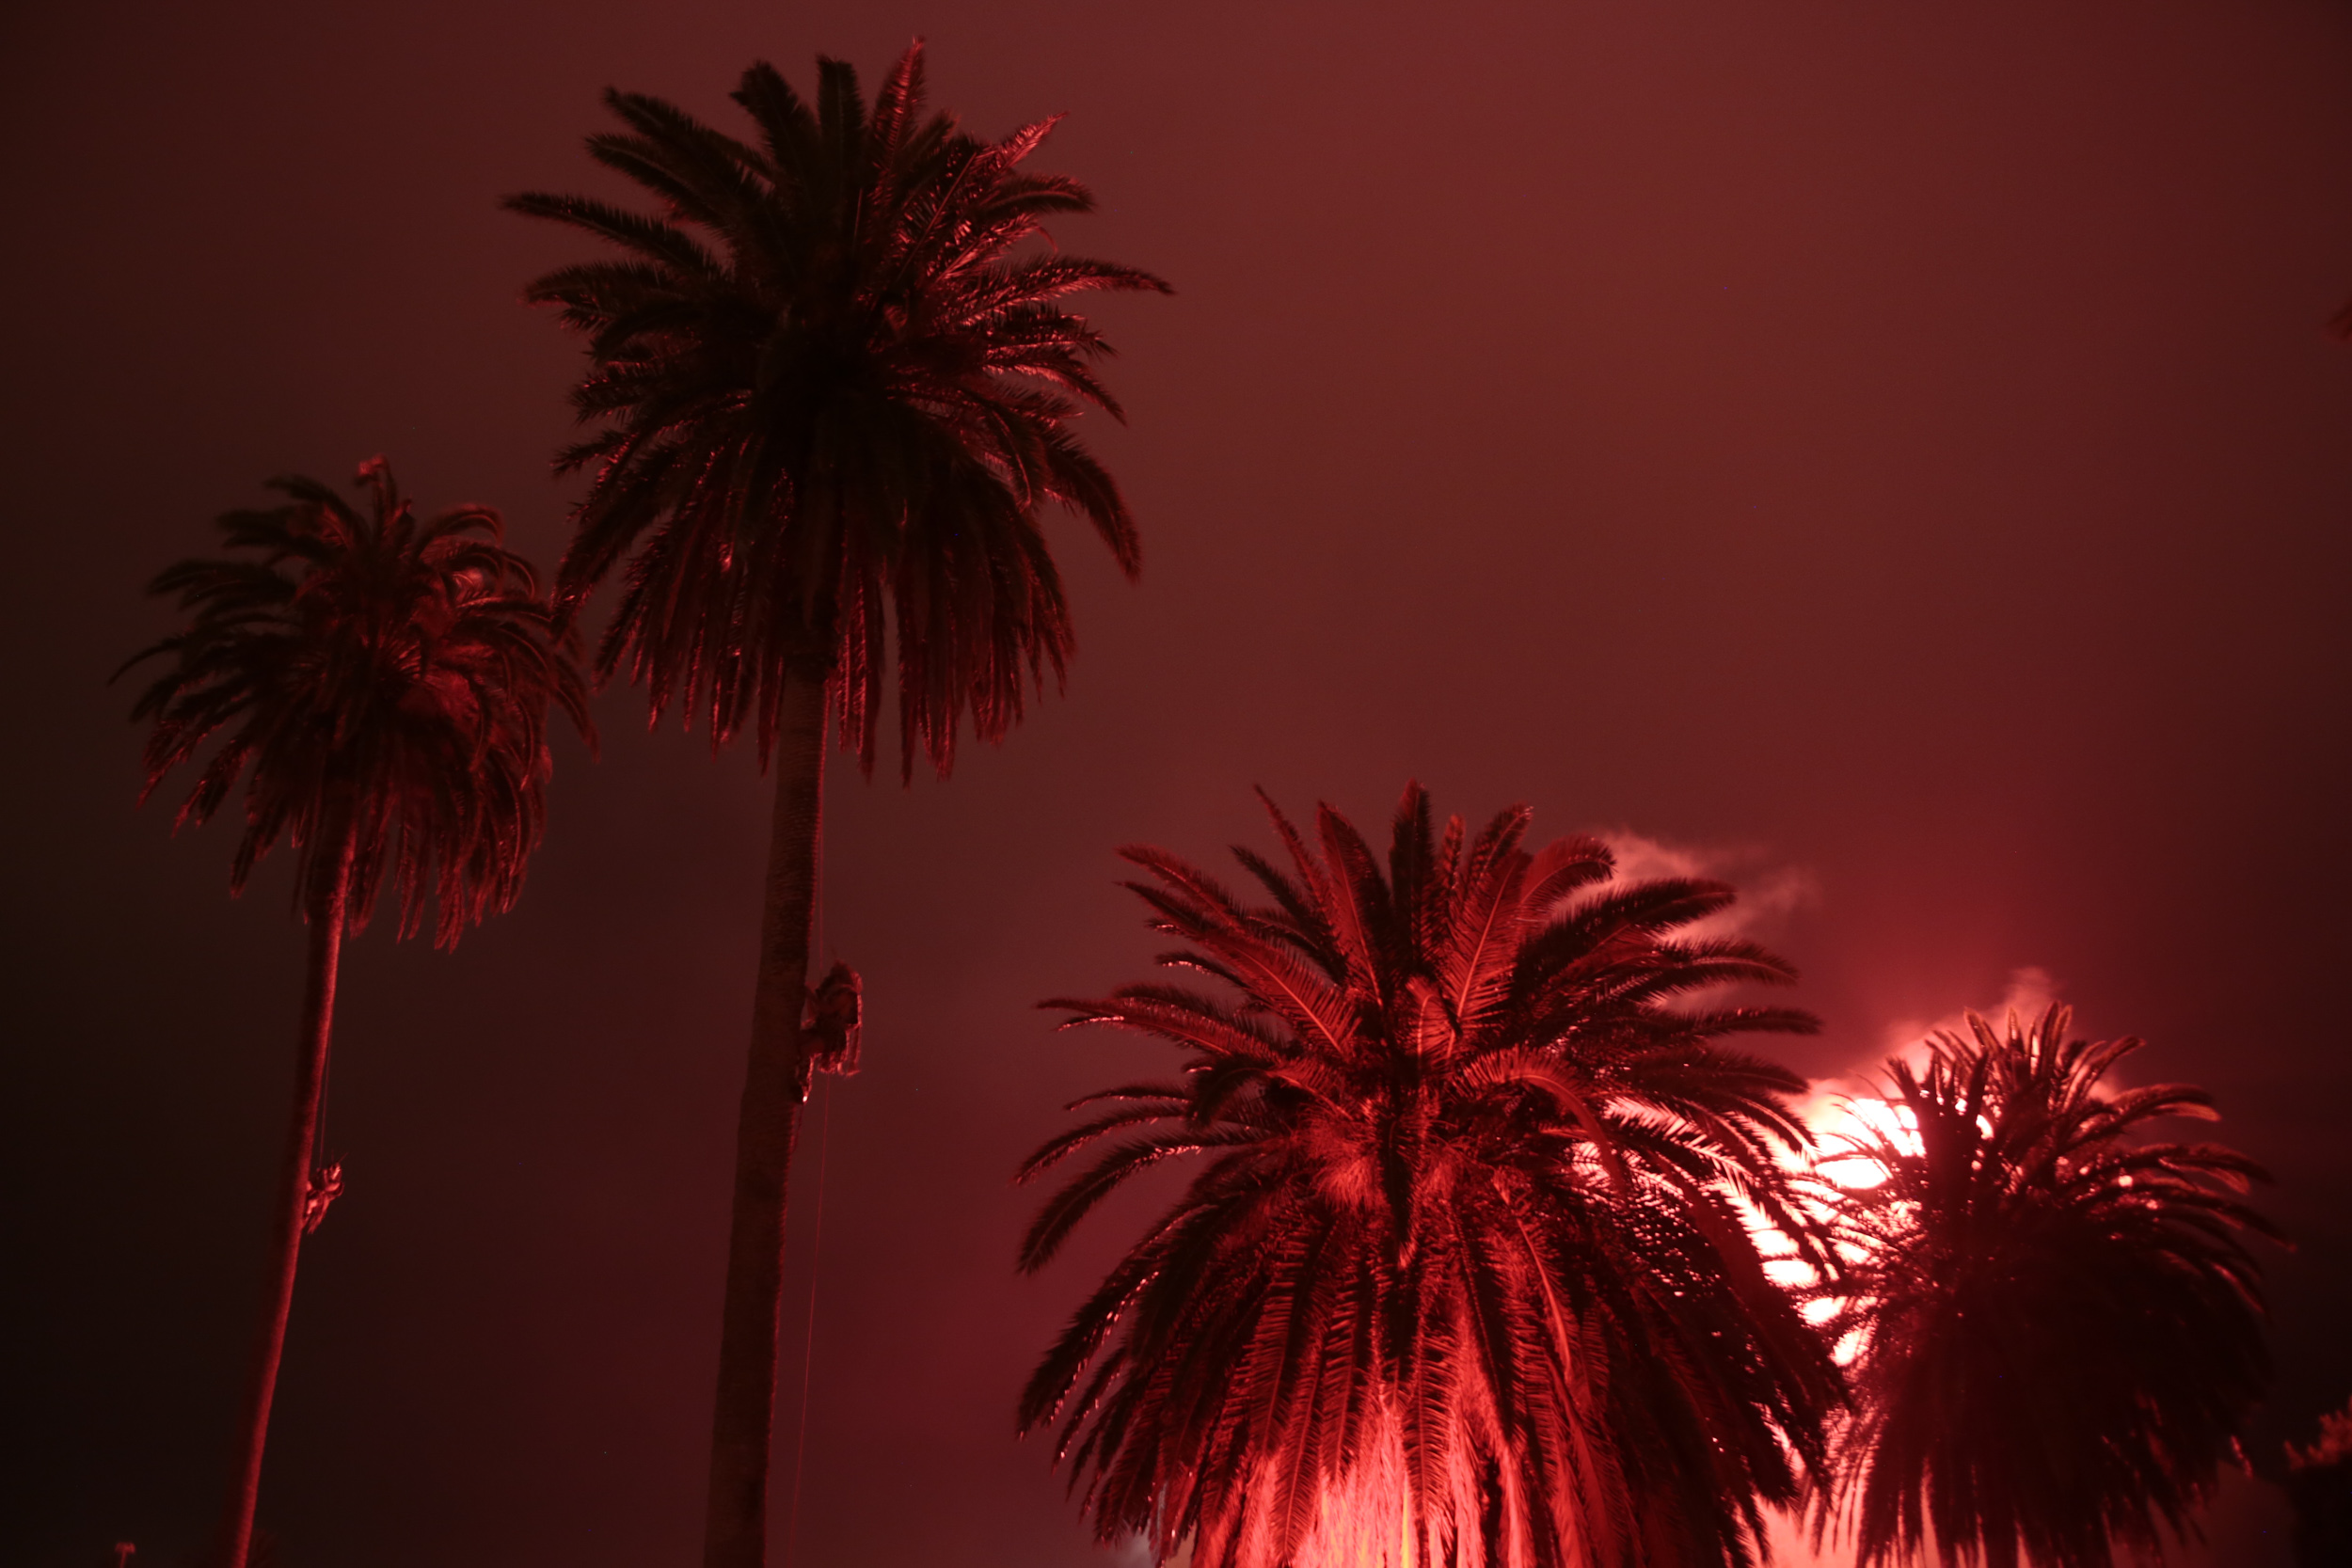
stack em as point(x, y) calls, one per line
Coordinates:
point(1459, 1278)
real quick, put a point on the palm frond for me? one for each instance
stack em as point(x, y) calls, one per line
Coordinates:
point(1461, 1280)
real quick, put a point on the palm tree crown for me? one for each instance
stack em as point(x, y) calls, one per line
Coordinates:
point(2060, 1324)
point(384, 679)
point(1462, 1279)
point(832, 390)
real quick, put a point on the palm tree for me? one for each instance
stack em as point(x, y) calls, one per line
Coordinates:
point(382, 684)
point(833, 387)
point(1462, 1276)
point(2060, 1326)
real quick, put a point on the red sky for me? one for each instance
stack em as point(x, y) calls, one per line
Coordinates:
point(1886, 449)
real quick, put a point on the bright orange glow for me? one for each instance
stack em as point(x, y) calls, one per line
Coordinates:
point(1848, 1128)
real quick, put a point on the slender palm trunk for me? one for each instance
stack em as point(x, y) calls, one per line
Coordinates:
point(775, 1080)
point(327, 918)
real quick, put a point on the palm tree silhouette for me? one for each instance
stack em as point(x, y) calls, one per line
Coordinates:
point(381, 683)
point(831, 390)
point(2060, 1324)
point(1460, 1278)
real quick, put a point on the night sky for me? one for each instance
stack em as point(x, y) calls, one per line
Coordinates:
point(1887, 453)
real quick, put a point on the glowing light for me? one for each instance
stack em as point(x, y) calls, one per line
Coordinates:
point(1849, 1127)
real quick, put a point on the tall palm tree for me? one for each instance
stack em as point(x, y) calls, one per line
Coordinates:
point(1462, 1276)
point(2061, 1324)
point(381, 683)
point(833, 387)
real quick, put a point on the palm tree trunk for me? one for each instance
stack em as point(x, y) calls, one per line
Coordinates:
point(775, 1081)
point(327, 918)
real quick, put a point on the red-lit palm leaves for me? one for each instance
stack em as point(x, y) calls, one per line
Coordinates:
point(2063, 1327)
point(381, 683)
point(1460, 1281)
point(835, 384)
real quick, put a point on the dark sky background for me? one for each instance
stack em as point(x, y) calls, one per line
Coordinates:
point(1889, 453)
